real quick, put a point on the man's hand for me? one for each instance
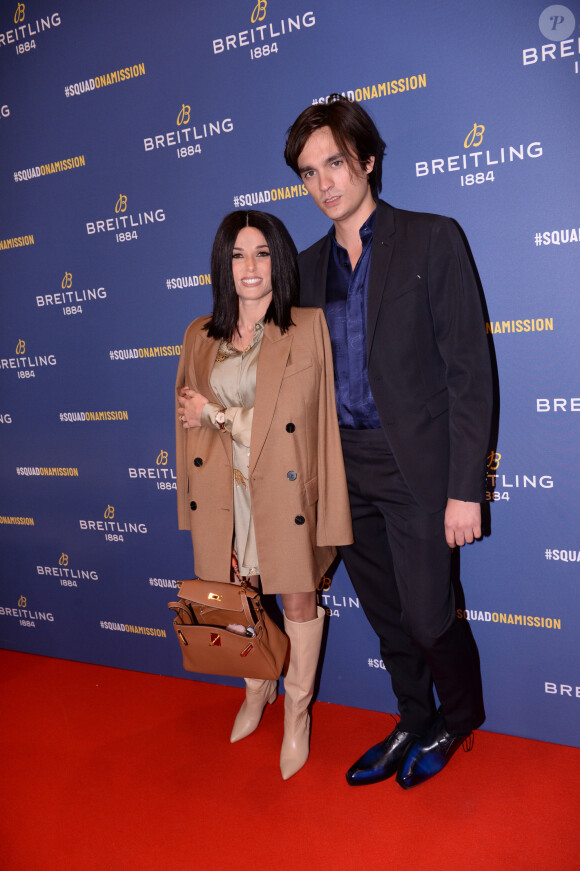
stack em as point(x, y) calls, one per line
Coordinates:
point(462, 522)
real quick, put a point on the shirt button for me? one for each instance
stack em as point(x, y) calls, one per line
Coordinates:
point(291, 476)
point(193, 505)
point(290, 427)
point(198, 461)
point(299, 520)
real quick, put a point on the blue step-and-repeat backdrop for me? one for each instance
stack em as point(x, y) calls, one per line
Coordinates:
point(128, 129)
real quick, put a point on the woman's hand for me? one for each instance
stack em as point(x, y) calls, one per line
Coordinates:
point(191, 404)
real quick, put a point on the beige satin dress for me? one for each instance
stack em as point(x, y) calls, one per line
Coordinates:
point(233, 380)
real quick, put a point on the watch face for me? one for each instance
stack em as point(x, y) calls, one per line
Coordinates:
point(220, 417)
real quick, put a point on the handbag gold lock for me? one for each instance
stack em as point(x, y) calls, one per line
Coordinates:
point(214, 597)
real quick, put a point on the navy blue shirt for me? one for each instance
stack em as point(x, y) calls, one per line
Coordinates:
point(346, 313)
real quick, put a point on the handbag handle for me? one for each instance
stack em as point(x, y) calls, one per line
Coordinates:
point(250, 595)
point(247, 594)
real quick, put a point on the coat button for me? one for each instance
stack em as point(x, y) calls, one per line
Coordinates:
point(299, 520)
point(193, 505)
point(198, 461)
point(290, 427)
point(291, 476)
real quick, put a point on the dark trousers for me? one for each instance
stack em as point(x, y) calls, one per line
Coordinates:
point(400, 568)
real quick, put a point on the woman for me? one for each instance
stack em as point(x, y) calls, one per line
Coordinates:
point(259, 462)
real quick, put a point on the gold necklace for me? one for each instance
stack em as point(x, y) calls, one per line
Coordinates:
point(243, 350)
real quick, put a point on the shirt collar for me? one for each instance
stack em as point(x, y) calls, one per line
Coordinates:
point(365, 232)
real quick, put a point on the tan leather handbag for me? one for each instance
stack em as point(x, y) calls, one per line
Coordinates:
point(223, 629)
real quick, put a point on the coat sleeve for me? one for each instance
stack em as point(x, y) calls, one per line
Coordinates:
point(460, 334)
point(184, 378)
point(333, 525)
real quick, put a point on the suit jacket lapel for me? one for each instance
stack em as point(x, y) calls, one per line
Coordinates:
point(313, 272)
point(272, 360)
point(320, 275)
point(381, 253)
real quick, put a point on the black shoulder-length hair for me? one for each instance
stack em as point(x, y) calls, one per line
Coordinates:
point(354, 132)
point(285, 276)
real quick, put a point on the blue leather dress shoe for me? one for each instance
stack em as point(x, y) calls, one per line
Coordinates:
point(430, 754)
point(382, 760)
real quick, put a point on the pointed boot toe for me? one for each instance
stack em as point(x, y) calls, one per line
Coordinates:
point(259, 693)
point(295, 747)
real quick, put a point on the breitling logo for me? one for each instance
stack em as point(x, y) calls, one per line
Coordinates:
point(163, 475)
point(262, 33)
point(188, 136)
point(25, 364)
point(483, 163)
point(69, 297)
point(24, 615)
point(125, 222)
point(68, 577)
point(114, 529)
point(26, 30)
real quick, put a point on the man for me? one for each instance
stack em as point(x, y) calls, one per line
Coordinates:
point(414, 397)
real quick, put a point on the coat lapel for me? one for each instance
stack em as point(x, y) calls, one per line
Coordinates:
point(382, 251)
point(204, 353)
point(272, 360)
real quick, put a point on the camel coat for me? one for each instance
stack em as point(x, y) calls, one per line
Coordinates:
point(297, 481)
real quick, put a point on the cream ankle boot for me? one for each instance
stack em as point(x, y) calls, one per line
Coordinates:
point(305, 639)
point(259, 693)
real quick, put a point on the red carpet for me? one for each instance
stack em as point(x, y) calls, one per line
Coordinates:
point(109, 769)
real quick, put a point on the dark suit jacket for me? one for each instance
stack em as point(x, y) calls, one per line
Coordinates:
point(427, 352)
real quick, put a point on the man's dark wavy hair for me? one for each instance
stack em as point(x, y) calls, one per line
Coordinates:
point(354, 132)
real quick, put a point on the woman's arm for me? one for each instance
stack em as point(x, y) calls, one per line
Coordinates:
point(195, 410)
